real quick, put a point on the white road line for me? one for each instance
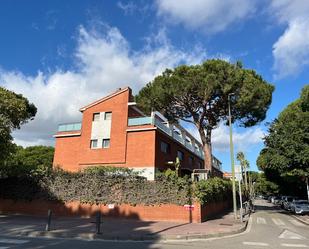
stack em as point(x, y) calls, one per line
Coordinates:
point(278, 222)
point(295, 245)
point(255, 243)
point(261, 220)
point(297, 223)
point(286, 234)
point(13, 241)
point(4, 247)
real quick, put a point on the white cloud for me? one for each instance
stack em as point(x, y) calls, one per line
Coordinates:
point(105, 62)
point(291, 50)
point(243, 141)
point(210, 16)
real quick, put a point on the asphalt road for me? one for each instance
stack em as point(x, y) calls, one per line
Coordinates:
point(268, 227)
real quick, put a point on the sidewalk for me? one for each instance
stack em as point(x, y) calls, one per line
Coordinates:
point(118, 229)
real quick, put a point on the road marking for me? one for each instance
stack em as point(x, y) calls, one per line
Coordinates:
point(278, 222)
point(297, 223)
point(13, 241)
point(286, 234)
point(4, 247)
point(295, 245)
point(261, 220)
point(255, 244)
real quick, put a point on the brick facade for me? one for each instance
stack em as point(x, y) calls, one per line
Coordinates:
point(164, 212)
point(134, 139)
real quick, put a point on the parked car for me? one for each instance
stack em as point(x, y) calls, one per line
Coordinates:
point(283, 199)
point(269, 198)
point(299, 206)
point(287, 202)
point(275, 200)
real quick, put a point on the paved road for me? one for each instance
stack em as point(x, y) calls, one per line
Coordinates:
point(268, 228)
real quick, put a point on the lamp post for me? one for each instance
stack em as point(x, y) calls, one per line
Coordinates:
point(232, 157)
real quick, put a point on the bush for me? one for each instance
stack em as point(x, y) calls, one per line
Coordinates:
point(212, 190)
point(97, 186)
point(110, 170)
point(104, 185)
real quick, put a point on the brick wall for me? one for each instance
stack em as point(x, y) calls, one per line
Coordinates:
point(164, 212)
point(162, 158)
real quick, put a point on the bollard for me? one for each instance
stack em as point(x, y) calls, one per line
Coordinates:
point(49, 214)
point(98, 222)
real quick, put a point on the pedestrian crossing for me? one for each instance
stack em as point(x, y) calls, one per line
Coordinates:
point(6, 243)
point(278, 222)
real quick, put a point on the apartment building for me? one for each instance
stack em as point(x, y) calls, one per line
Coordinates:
point(114, 132)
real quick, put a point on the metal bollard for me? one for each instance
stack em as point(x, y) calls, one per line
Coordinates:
point(98, 222)
point(49, 214)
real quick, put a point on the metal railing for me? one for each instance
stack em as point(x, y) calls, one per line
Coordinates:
point(169, 130)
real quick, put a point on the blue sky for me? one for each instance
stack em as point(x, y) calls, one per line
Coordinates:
point(63, 54)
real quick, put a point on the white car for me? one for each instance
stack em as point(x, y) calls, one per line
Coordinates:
point(299, 207)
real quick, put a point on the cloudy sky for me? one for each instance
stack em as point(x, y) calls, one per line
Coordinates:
point(62, 55)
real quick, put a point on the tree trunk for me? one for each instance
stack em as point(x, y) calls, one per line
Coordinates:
point(246, 182)
point(206, 141)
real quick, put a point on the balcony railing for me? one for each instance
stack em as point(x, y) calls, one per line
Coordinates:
point(139, 121)
point(169, 130)
point(70, 127)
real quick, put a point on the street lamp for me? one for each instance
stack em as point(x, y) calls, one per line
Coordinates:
point(232, 157)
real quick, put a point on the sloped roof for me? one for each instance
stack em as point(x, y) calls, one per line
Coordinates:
point(119, 91)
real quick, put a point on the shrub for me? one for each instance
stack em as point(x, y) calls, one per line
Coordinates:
point(110, 170)
point(104, 185)
point(212, 190)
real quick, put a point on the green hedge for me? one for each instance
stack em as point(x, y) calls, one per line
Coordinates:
point(212, 190)
point(103, 186)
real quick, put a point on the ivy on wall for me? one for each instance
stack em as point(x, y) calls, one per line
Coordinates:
point(97, 186)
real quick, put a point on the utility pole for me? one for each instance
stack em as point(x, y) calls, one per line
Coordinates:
point(307, 181)
point(232, 158)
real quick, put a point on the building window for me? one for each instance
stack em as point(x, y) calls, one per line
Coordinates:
point(94, 144)
point(200, 166)
point(105, 143)
point(107, 116)
point(180, 155)
point(96, 117)
point(191, 160)
point(165, 147)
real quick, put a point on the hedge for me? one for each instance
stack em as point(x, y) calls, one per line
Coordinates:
point(97, 186)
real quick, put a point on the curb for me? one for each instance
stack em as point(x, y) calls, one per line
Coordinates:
point(141, 238)
point(301, 220)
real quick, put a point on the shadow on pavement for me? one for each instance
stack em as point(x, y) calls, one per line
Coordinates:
point(71, 224)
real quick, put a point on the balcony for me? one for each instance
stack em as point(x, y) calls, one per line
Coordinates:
point(139, 121)
point(69, 127)
point(175, 131)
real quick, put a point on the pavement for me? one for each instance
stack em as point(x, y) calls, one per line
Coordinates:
point(118, 229)
point(269, 227)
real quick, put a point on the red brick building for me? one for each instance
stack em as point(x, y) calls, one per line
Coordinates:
point(115, 132)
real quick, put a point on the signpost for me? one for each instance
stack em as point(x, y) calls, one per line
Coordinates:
point(238, 176)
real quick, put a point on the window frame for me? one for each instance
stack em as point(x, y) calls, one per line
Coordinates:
point(109, 143)
point(91, 143)
point(168, 147)
point(179, 152)
point(110, 117)
point(96, 114)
